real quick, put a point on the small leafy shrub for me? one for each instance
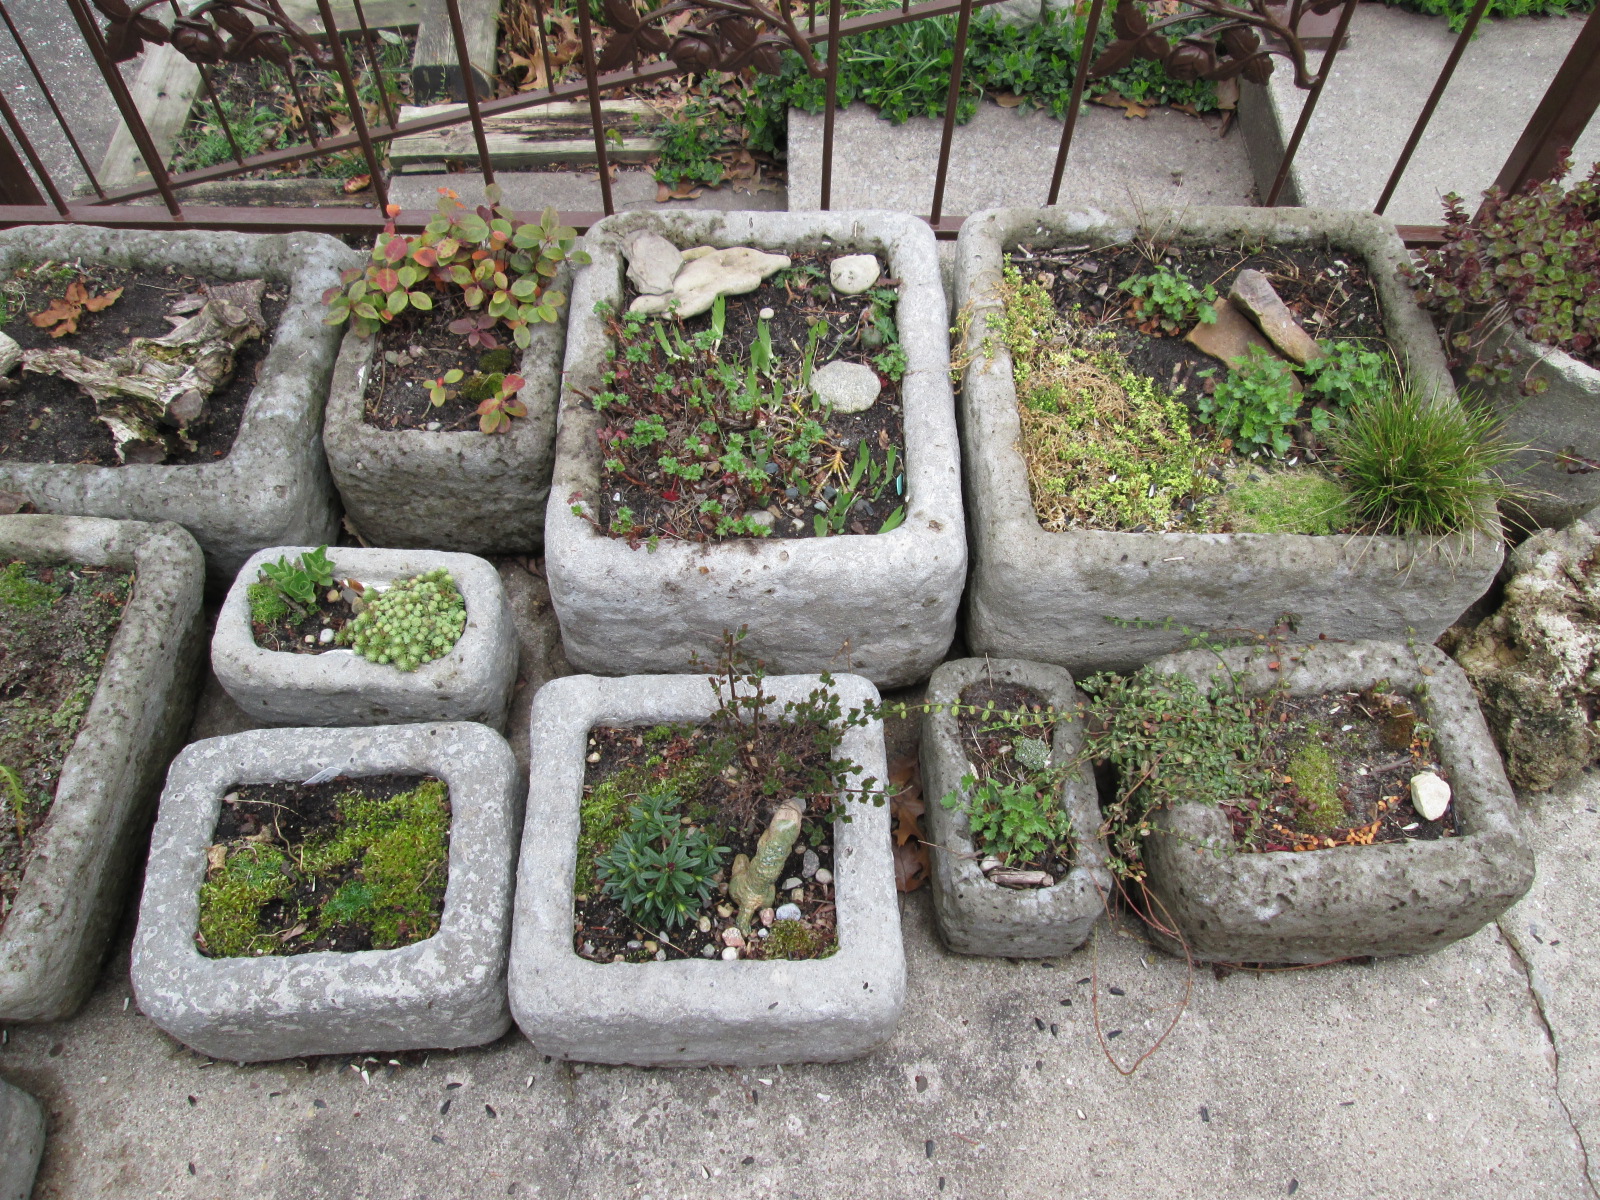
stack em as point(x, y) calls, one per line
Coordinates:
point(658, 869)
point(1346, 374)
point(1299, 500)
point(21, 588)
point(412, 622)
point(1170, 299)
point(1018, 822)
point(1255, 403)
point(294, 584)
point(690, 140)
point(1457, 11)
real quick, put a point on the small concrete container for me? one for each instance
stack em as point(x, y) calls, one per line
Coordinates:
point(696, 1013)
point(976, 916)
point(71, 896)
point(444, 992)
point(1054, 597)
point(21, 1142)
point(338, 687)
point(482, 493)
point(881, 605)
point(272, 487)
point(1320, 905)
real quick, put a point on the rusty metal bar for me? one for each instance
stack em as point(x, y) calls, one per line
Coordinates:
point(544, 46)
point(1563, 114)
point(470, 85)
point(384, 99)
point(1079, 81)
point(216, 104)
point(306, 115)
point(341, 64)
point(61, 120)
point(592, 86)
point(20, 183)
point(830, 105)
point(1323, 73)
point(16, 185)
point(951, 103)
point(1434, 97)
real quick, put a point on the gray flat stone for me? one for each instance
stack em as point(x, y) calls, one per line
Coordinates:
point(692, 1013)
point(846, 387)
point(339, 687)
point(653, 262)
point(1313, 907)
point(69, 904)
point(975, 915)
point(852, 274)
point(1051, 597)
point(21, 1142)
point(730, 271)
point(272, 487)
point(443, 992)
point(882, 605)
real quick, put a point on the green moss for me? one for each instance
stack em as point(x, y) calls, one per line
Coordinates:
point(1299, 500)
point(501, 360)
point(604, 811)
point(480, 387)
point(20, 588)
point(231, 902)
point(266, 604)
point(795, 939)
point(1317, 780)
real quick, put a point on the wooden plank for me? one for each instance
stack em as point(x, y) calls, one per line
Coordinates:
point(380, 14)
point(549, 134)
point(435, 71)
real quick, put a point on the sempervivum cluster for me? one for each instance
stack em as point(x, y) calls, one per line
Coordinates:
point(413, 622)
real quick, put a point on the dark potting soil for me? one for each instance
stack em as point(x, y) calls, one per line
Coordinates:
point(730, 802)
point(669, 507)
point(988, 743)
point(45, 418)
point(294, 819)
point(1377, 742)
point(417, 347)
point(56, 626)
point(292, 636)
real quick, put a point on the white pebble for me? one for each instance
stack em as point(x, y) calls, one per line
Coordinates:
point(708, 951)
point(767, 314)
point(788, 912)
point(1430, 795)
point(729, 953)
point(791, 883)
point(325, 636)
point(824, 875)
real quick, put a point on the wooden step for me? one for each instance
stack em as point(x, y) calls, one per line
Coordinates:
point(549, 134)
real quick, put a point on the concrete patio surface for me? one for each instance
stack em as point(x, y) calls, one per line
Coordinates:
point(1469, 1073)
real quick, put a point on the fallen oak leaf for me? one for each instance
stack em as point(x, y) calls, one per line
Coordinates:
point(103, 301)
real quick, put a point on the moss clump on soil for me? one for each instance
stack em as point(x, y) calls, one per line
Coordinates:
point(21, 589)
point(267, 605)
point(795, 939)
point(1316, 778)
point(1105, 447)
point(382, 867)
point(1301, 500)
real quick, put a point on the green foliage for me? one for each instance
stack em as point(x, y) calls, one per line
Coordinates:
point(1018, 822)
point(659, 869)
point(1415, 465)
point(21, 588)
point(298, 583)
point(1256, 403)
point(1459, 10)
point(205, 144)
point(690, 140)
point(796, 940)
point(412, 622)
point(1171, 298)
point(1346, 374)
point(267, 606)
point(1297, 500)
point(604, 809)
point(231, 902)
point(1316, 779)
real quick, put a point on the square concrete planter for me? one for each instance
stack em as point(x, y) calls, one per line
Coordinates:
point(444, 992)
point(482, 493)
point(976, 916)
point(21, 1142)
point(71, 896)
point(1320, 905)
point(1053, 597)
point(881, 605)
point(694, 1013)
point(338, 687)
point(272, 488)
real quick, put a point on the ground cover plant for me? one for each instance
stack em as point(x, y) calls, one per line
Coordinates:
point(56, 626)
point(352, 864)
point(1457, 11)
point(712, 428)
point(85, 323)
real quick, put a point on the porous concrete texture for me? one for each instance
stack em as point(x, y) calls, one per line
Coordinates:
point(1054, 597)
point(974, 915)
point(881, 605)
point(1371, 101)
point(481, 493)
point(21, 1142)
point(579, 191)
point(272, 487)
point(445, 991)
point(55, 936)
point(339, 687)
point(1312, 907)
point(697, 1012)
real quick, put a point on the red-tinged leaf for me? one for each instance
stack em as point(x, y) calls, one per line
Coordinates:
point(76, 292)
point(514, 408)
point(395, 249)
point(462, 325)
point(389, 210)
point(425, 256)
point(473, 297)
point(351, 274)
point(513, 383)
point(386, 280)
point(329, 293)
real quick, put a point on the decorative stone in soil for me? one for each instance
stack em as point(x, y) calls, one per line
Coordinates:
point(1064, 597)
point(1316, 906)
point(82, 856)
point(445, 991)
point(21, 1141)
point(338, 687)
point(976, 915)
point(696, 1011)
point(272, 484)
point(882, 604)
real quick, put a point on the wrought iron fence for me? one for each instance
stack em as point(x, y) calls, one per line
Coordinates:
point(1237, 40)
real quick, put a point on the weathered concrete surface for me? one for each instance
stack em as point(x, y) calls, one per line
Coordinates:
point(21, 1141)
point(447, 990)
point(68, 906)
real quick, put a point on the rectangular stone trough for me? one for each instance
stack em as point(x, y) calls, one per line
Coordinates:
point(1320, 905)
point(272, 487)
point(21, 1141)
point(699, 1012)
point(444, 992)
point(881, 605)
point(482, 493)
point(70, 901)
point(1054, 597)
point(976, 916)
point(338, 687)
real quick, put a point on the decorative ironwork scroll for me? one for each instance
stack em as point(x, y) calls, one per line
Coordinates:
point(705, 35)
point(217, 31)
point(1240, 42)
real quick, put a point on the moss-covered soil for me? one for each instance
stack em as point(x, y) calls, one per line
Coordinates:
point(56, 625)
point(354, 864)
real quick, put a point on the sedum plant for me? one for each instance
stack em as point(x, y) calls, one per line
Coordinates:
point(412, 622)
